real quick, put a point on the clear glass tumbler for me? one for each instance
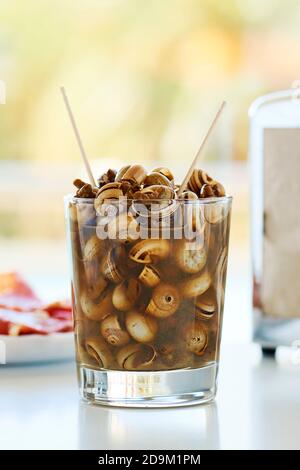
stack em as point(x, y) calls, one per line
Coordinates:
point(148, 281)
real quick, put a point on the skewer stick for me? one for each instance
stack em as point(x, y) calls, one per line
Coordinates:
point(78, 138)
point(194, 163)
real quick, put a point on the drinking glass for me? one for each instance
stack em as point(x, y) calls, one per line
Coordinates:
point(148, 283)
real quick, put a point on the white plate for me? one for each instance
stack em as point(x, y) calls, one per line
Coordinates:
point(36, 348)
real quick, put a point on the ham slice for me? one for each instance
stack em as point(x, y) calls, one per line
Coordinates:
point(16, 294)
point(22, 312)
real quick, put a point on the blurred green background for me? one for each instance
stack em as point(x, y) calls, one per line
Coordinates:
point(144, 79)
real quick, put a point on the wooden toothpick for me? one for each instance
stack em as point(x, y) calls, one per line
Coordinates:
point(78, 138)
point(197, 156)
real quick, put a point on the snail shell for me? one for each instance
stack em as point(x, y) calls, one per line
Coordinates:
point(196, 285)
point(188, 196)
point(113, 332)
point(197, 180)
point(124, 228)
point(93, 248)
point(205, 305)
point(109, 265)
point(193, 212)
point(98, 350)
point(96, 309)
point(196, 337)
point(142, 328)
point(83, 357)
point(94, 281)
point(108, 191)
point(220, 273)
point(153, 210)
point(158, 192)
point(190, 256)
point(214, 189)
point(150, 277)
point(156, 178)
point(121, 172)
point(126, 294)
point(136, 356)
point(136, 173)
point(215, 212)
point(165, 172)
point(149, 251)
point(164, 302)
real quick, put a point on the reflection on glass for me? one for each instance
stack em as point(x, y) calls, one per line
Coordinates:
point(194, 427)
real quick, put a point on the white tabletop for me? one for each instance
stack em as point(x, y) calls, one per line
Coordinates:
point(257, 407)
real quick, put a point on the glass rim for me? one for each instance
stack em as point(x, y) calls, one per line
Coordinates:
point(201, 201)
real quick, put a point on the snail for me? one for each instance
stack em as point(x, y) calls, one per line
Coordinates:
point(113, 332)
point(96, 309)
point(195, 285)
point(165, 172)
point(193, 212)
point(156, 191)
point(98, 350)
point(197, 180)
point(149, 251)
point(190, 256)
point(195, 337)
point(107, 177)
point(164, 302)
point(121, 172)
point(142, 328)
point(135, 173)
point(215, 212)
point(124, 228)
point(108, 191)
point(83, 357)
point(126, 294)
point(110, 265)
point(205, 305)
point(93, 248)
point(221, 273)
point(95, 282)
point(136, 356)
point(155, 208)
point(189, 196)
point(213, 189)
point(149, 276)
point(156, 178)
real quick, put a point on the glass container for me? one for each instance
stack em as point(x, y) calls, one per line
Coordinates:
point(148, 283)
point(274, 153)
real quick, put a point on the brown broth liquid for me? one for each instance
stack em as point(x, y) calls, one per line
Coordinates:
point(189, 337)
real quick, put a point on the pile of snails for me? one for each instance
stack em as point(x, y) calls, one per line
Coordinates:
point(134, 182)
point(147, 304)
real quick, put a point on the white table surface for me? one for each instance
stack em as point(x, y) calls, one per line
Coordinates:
point(257, 407)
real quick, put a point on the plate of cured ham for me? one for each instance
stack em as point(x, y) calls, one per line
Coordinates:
point(32, 330)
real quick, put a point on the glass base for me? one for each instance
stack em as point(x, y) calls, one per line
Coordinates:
point(148, 389)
